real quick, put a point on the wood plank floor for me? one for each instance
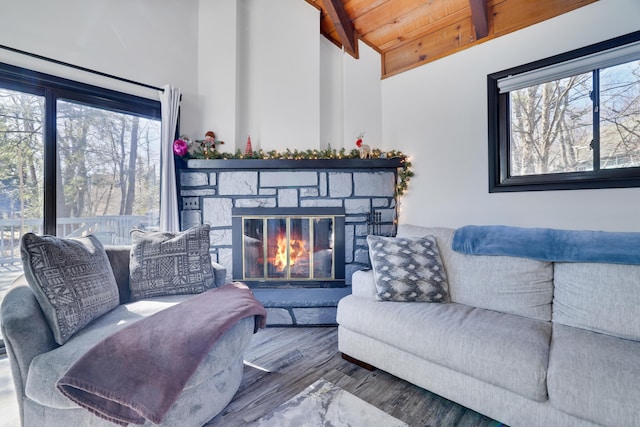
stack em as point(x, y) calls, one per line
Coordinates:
point(282, 362)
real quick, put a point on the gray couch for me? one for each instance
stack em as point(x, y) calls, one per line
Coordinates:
point(37, 361)
point(525, 342)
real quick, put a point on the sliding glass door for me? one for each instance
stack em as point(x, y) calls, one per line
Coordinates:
point(75, 159)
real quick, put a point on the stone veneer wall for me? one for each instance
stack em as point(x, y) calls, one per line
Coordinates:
point(209, 189)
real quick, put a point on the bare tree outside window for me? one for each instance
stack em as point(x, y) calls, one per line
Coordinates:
point(552, 123)
point(620, 116)
point(108, 169)
point(551, 127)
point(567, 122)
point(21, 170)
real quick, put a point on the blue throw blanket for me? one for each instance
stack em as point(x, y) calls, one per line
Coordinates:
point(548, 244)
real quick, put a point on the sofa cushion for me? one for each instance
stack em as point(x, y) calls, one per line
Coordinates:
point(598, 297)
point(47, 368)
point(71, 279)
point(407, 269)
point(165, 263)
point(501, 349)
point(594, 376)
point(508, 284)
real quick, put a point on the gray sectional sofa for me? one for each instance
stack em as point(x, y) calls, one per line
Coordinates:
point(523, 341)
point(37, 361)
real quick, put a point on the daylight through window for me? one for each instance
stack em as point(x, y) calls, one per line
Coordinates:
point(75, 160)
point(571, 121)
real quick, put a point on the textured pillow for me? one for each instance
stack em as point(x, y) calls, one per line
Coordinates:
point(164, 263)
point(71, 279)
point(408, 269)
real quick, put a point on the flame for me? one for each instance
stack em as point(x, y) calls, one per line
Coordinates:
point(296, 250)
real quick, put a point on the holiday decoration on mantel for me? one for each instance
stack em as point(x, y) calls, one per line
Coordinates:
point(248, 150)
point(364, 149)
point(184, 148)
point(404, 172)
point(208, 144)
point(181, 146)
point(202, 148)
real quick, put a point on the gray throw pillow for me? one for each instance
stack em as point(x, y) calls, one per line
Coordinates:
point(408, 269)
point(72, 280)
point(164, 263)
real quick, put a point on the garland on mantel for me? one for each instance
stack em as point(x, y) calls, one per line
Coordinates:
point(404, 174)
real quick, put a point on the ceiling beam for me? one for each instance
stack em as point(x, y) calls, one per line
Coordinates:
point(479, 18)
point(343, 26)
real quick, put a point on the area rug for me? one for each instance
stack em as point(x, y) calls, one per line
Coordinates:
point(324, 404)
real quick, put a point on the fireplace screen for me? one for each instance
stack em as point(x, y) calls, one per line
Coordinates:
point(281, 246)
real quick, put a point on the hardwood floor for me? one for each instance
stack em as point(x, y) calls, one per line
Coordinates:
point(282, 362)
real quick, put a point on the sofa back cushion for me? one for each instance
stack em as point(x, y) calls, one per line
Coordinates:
point(119, 260)
point(602, 298)
point(507, 284)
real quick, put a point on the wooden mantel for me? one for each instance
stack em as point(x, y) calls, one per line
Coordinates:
point(257, 164)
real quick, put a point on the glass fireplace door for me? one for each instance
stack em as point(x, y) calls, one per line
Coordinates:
point(286, 248)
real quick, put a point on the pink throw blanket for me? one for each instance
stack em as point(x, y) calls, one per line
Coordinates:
point(137, 373)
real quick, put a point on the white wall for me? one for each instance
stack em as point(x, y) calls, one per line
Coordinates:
point(279, 75)
point(331, 95)
point(363, 98)
point(149, 41)
point(216, 69)
point(437, 114)
point(350, 97)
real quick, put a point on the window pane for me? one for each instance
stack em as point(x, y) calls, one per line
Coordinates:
point(253, 248)
point(323, 248)
point(21, 177)
point(278, 267)
point(620, 116)
point(21, 169)
point(299, 256)
point(108, 172)
point(551, 127)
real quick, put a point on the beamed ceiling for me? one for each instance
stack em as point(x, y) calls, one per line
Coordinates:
point(410, 33)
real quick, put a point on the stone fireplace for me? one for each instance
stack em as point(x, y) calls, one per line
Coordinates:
point(358, 194)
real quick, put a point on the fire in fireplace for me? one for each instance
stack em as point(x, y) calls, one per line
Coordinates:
point(288, 247)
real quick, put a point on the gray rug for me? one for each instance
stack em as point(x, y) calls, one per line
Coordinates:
point(324, 404)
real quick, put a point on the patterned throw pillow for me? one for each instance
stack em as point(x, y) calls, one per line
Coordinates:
point(408, 269)
point(72, 280)
point(164, 263)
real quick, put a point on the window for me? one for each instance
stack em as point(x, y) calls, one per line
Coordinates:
point(567, 122)
point(75, 159)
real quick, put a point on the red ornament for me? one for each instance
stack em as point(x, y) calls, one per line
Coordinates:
point(359, 142)
point(180, 147)
point(248, 150)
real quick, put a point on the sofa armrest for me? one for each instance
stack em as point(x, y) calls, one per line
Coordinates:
point(25, 330)
point(219, 274)
point(363, 284)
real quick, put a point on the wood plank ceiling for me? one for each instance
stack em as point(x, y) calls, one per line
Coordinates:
point(410, 33)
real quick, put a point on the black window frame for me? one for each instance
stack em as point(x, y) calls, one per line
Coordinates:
point(500, 179)
point(53, 88)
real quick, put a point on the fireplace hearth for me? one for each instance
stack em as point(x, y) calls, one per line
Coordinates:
point(288, 247)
